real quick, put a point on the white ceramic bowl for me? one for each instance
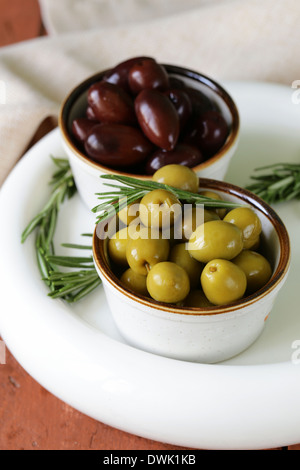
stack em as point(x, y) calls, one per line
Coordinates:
point(87, 172)
point(206, 335)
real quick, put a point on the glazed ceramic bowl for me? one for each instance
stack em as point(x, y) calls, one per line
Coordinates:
point(205, 335)
point(87, 172)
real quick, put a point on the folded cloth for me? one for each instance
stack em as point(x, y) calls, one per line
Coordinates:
point(234, 39)
point(61, 16)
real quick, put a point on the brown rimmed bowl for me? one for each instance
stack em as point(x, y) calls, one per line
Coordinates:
point(87, 172)
point(205, 335)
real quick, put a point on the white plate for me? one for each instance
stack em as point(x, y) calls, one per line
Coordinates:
point(248, 402)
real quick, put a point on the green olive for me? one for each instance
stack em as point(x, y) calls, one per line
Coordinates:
point(256, 267)
point(219, 211)
point(254, 245)
point(192, 217)
point(215, 239)
point(249, 223)
point(223, 282)
point(159, 208)
point(180, 255)
point(167, 282)
point(146, 251)
point(178, 176)
point(117, 247)
point(130, 213)
point(197, 299)
point(135, 282)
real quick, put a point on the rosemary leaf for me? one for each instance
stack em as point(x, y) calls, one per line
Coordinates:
point(87, 290)
point(68, 289)
point(279, 183)
point(69, 276)
point(70, 261)
point(79, 247)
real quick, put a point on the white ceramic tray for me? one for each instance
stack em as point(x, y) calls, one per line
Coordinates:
point(248, 402)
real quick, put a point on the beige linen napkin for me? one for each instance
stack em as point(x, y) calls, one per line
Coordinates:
point(237, 39)
point(61, 16)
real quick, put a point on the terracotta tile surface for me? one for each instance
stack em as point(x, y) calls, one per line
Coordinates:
point(19, 20)
point(32, 418)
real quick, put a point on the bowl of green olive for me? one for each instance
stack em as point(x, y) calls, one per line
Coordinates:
point(192, 269)
point(141, 115)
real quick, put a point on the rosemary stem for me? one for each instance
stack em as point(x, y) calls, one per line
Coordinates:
point(132, 189)
point(70, 286)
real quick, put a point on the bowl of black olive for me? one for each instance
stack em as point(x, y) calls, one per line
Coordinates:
point(141, 115)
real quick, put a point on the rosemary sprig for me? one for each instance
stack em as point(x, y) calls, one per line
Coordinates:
point(280, 182)
point(82, 278)
point(132, 189)
point(74, 285)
